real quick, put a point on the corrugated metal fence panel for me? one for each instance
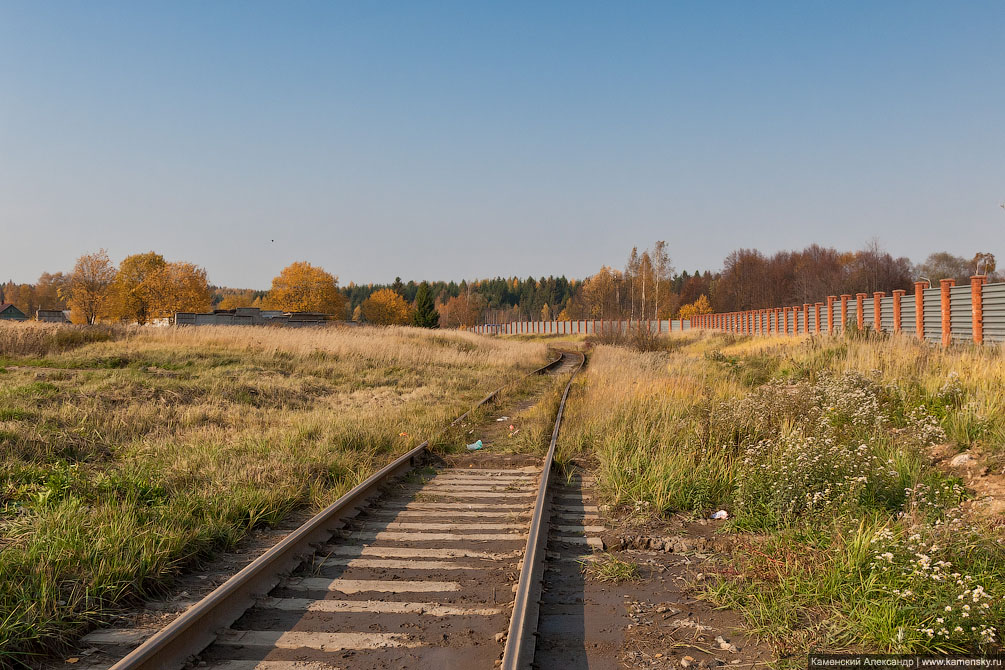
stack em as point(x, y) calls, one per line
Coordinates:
point(868, 321)
point(961, 313)
point(993, 306)
point(886, 316)
point(684, 324)
point(933, 314)
point(907, 312)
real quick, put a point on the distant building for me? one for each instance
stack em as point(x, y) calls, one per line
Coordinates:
point(8, 312)
point(53, 315)
point(251, 316)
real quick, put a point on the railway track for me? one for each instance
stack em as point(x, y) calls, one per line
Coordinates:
point(421, 566)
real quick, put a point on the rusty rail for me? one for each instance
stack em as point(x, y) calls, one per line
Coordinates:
point(521, 641)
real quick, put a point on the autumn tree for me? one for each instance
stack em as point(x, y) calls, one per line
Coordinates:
point(631, 272)
point(302, 287)
point(461, 310)
point(386, 308)
point(699, 306)
point(88, 287)
point(662, 269)
point(177, 287)
point(600, 294)
point(50, 289)
point(233, 298)
point(133, 294)
point(425, 314)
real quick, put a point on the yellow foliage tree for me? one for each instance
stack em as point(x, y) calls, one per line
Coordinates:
point(302, 287)
point(234, 298)
point(88, 288)
point(177, 287)
point(133, 290)
point(386, 308)
point(699, 306)
point(50, 289)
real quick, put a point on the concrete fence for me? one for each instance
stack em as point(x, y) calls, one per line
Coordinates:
point(251, 316)
point(946, 314)
point(581, 327)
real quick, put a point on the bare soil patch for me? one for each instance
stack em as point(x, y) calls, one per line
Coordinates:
point(981, 474)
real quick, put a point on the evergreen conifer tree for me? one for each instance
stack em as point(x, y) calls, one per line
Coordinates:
point(425, 314)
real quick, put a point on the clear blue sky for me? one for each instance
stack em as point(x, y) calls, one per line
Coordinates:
point(465, 139)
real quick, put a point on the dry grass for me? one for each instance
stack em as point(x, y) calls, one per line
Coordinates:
point(819, 449)
point(31, 338)
point(125, 460)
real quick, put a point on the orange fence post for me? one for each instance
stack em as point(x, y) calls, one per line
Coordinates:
point(845, 297)
point(947, 330)
point(860, 309)
point(785, 320)
point(877, 309)
point(977, 306)
point(898, 295)
point(919, 307)
point(830, 314)
point(817, 312)
point(806, 317)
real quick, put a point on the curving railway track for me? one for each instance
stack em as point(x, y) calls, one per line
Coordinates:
point(427, 564)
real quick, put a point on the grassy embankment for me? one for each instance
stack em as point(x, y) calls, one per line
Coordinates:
point(846, 537)
point(129, 454)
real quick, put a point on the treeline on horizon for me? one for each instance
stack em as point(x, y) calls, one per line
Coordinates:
point(649, 287)
point(146, 286)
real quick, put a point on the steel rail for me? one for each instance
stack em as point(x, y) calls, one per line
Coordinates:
point(197, 628)
point(521, 640)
